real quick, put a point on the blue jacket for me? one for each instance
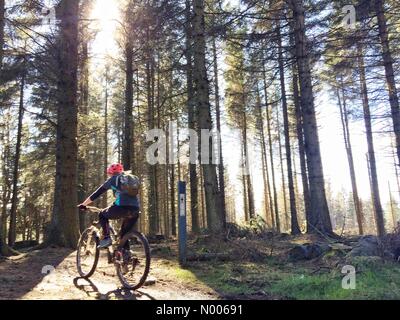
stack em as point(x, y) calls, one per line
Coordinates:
point(122, 199)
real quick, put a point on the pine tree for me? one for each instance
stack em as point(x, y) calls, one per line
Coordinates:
point(319, 215)
point(64, 229)
point(212, 194)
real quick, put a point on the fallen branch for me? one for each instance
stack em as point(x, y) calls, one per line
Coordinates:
point(40, 246)
point(7, 251)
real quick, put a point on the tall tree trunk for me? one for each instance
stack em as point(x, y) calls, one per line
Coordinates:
point(167, 222)
point(202, 200)
point(221, 173)
point(4, 249)
point(285, 209)
point(178, 146)
point(247, 175)
point(296, 185)
point(128, 116)
point(173, 206)
point(172, 186)
point(275, 216)
point(302, 154)
point(152, 169)
point(244, 185)
point(2, 24)
point(371, 186)
point(320, 219)
point(105, 155)
point(151, 197)
point(157, 124)
point(5, 195)
point(82, 187)
point(271, 156)
point(37, 226)
point(83, 110)
point(389, 71)
point(300, 131)
point(13, 212)
point(295, 229)
point(119, 145)
point(64, 228)
point(380, 226)
point(265, 191)
point(3, 219)
point(267, 187)
point(212, 195)
point(349, 151)
point(194, 205)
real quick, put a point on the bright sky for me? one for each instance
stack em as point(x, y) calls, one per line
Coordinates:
point(335, 158)
point(107, 12)
point(332, 146)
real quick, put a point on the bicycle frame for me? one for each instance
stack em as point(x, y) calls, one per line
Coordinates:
point(111, 253)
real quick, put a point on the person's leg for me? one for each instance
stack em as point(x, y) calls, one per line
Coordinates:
point(127, 224)
point(113, 212)
point(103, 219)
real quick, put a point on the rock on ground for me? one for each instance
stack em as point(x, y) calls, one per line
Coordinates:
point(366, 246)
point(308, 251)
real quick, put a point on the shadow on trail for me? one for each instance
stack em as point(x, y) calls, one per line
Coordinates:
point(19, 276)
point(119, 294)
point(228, 278)
point(226, 285)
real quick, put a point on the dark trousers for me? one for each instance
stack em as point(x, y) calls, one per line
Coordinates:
point(129, 215)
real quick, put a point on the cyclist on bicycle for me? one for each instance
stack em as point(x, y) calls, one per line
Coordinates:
point(125, 206)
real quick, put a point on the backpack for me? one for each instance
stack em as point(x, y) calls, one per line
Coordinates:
point(129, 184)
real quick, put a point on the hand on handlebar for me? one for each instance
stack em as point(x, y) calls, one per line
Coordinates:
point(82, 207)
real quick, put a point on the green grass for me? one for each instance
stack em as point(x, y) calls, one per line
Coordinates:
point(292, 282)
point(184, 275)
point(370, 284)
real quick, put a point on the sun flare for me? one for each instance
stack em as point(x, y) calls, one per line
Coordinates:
point(105, 13)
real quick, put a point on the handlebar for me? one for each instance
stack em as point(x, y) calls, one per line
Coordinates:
point(90, 209)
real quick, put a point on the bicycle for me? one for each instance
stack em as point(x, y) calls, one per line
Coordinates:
point(132, 265)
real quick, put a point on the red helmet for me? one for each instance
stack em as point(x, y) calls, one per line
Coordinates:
point(115, 168)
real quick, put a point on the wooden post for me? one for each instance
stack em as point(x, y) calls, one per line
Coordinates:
point(182, 221)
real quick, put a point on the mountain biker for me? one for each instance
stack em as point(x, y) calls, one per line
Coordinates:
point(125, 206)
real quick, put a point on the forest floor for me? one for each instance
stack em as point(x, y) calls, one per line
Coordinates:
point(243, 268)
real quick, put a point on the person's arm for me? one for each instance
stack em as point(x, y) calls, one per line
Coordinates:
point(95, 195)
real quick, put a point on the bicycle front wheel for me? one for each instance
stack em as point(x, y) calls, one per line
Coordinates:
point(87, 255)
point(133, 264)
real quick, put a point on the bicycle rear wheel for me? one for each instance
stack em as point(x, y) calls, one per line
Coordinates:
point(133, 265)
point(87, 255)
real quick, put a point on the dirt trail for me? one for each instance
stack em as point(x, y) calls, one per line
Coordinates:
point(22, 278)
